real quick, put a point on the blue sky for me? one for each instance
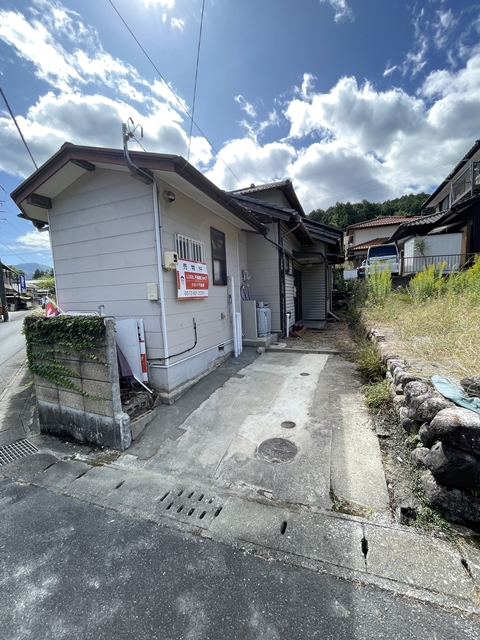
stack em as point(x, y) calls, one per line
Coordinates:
point(351, 99)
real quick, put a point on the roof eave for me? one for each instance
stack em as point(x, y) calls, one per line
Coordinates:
point(151, 161)
point(470, 153)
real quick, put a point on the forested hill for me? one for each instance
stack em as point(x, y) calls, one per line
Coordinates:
point(343, 214)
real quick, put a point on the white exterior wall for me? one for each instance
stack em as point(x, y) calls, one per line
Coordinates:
point(193, 220)
point(441, 245)
point(264, 270)
point(103, 244)
point(370, 233)
point(103, 237)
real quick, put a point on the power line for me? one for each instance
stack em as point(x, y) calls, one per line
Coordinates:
point(16, 254)
point(18, 128)
point(173, 92)
point(195, 83)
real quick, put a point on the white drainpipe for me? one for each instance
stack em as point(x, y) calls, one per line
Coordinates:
point(159, 248)
point(231, 294)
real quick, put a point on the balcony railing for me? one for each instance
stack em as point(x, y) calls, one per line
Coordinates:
point(476, 176)
point(453, 262)
point(462, 185)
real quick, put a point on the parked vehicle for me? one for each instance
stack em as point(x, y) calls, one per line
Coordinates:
point(385, 256)
point(361, 270)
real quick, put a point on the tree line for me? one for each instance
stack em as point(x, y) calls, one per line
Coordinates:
point(343, 214)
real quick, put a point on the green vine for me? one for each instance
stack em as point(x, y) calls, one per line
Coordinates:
point(67, 334)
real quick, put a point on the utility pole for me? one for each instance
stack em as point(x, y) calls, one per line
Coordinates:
point(3, 296)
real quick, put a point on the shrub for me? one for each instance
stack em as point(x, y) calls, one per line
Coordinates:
point(379, 285)
point(427, 283)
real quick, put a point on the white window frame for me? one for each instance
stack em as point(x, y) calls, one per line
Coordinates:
point(189, 248)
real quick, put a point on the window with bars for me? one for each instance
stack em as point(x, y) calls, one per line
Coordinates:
point(189, 248)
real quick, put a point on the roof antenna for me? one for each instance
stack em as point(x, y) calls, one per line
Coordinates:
point(128, 132)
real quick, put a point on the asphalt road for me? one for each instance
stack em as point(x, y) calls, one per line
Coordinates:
point(12, 347)
point(72, 570)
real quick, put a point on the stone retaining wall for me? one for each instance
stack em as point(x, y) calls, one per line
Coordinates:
point(95, 417)
point(450, 435)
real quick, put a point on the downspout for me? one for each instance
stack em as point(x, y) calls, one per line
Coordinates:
point(291, 230)
point(299, 220)
point(157, 214)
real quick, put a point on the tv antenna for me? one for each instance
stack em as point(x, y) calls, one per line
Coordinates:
point(129, 132)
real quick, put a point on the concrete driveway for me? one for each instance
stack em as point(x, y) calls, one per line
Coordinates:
point(289, 427)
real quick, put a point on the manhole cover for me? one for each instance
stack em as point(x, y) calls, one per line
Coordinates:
point(288, 424)
point(304, 374)
point(277, 450)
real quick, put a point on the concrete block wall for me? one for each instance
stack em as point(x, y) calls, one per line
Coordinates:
point(95, 416)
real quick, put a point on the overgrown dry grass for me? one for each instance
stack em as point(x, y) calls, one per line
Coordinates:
point(442, 329)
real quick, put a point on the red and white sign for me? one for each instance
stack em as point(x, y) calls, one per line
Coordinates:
point(192, 280)
point(51, 309)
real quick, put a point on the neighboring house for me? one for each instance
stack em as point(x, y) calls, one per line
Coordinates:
point(451, 235)
point(361, 236)
point(122, 235)
point(35, 291)
point(297, 281)
point(15, 298)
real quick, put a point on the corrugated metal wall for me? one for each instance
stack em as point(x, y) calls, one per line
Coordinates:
point(290, 244)
point(313, 293)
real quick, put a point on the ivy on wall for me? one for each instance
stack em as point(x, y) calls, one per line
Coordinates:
point(48, 338)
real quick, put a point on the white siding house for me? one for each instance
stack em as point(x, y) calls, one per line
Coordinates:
point(112, 226)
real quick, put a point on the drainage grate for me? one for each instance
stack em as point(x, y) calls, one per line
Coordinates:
point(12, 452)
point(190, 504)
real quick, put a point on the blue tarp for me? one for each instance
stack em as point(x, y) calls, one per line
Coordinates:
point(455, 393)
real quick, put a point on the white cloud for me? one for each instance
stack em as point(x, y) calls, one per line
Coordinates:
point(68, 111)
point(352, 141)
point(33, 43)
point(251, 162)
point(90, 120)
point(163, 3)
point(389, 70)
point(444, 24)
point(246, 106)
point(177, 23)
point(341, 8)
point(355, 142)
point(35, 241)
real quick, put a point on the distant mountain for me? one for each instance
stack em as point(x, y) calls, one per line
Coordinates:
point(31, 267)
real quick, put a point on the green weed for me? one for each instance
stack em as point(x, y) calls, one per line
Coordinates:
point(428, 283)
point(369, 362)
point(377, 396)
point(379, 285)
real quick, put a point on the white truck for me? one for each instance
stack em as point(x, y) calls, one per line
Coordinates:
point(385, 256)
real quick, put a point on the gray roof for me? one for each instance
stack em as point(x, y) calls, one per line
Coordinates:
point(285, 186)
point(418, 225)
point(317, 230)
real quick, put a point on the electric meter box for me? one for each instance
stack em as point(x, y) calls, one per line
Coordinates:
point(170, 260)
point(152, 291)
